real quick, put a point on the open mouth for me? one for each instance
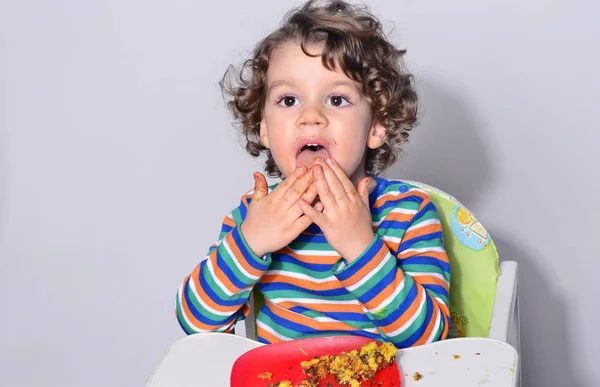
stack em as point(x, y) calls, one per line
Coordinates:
point(311, 148)
point(309, 151)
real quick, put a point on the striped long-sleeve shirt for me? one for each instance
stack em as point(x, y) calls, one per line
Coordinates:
point(397, 290)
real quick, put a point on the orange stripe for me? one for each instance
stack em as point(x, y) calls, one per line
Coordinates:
point(307, 284)
point(399, 217)
point(430, 280)
point(420, 231)
point(268, 336)
point(229, 222)
point(433, 254)
point(395, 197)
point(307, 321)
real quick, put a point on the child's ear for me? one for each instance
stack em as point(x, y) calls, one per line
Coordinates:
point(376, 136)
point(264, 134)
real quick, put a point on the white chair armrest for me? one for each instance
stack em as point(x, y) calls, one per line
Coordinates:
point(505, 302)
point(249, 323)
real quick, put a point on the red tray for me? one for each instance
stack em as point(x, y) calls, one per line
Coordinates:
point(283, 361)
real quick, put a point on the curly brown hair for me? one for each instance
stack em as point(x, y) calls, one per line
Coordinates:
point(354, 42)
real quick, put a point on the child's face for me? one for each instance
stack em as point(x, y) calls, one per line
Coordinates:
point(308, 104)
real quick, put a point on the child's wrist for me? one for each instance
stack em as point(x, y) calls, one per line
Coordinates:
point(251, 242)
point(358, 248)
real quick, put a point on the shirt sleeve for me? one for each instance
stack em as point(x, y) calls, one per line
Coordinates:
point(214, 297)
point(402, 279)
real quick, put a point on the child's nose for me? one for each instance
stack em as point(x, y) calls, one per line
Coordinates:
point(312, 115)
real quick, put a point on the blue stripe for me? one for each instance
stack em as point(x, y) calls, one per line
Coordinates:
point(379, 286)
point(425, 260)
point(339, 316)
point(428, 207)
point(421, 238)
point(226, 228)
point(257, 264)
point(211, 293)
point(303, 329)
point(199, 316)
point(273, 286)
point(309, 238)
point(403, 307)
point(396, 203)
point(243, 210)
point(393, 224)
point(437, 289)
point(231, 276)
point(318, 267)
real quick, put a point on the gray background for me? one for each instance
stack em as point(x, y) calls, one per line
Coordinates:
point(118, 163)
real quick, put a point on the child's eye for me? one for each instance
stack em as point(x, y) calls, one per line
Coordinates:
point(338, 101)
point(288, 101)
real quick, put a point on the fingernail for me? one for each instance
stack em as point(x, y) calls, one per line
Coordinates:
point(330, 161)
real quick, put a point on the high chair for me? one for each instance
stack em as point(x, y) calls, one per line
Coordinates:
point(484, 298)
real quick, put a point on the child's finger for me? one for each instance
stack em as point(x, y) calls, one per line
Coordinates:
point(281, 189)
point(332, 180)
point(311, 194)
point(319, 206)
point(301, 224)
point(260, 187)
point(341, 175)
point(325, 194)
point(296, 190)
point(315, 216)
point(363, 190)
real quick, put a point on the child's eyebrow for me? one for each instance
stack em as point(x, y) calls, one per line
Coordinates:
point(279, 82)
point(345, 83)
point(283, 82)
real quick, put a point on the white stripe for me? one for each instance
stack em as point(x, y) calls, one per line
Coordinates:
point(221, 286)
point(271, 331)
point(370, 275)
point(436, 329)
point(314, 301)
point(424, 223)
point(412, 318)
point(327, 253)
point(239, 266)
point(192, 287)
point(421, 274)
point(389, 238)
point(182, 314)
point(388, 300)
point(300, 276)
point(424, 250)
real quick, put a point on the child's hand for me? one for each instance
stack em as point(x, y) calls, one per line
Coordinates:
point(275, 219)
point(346, 216)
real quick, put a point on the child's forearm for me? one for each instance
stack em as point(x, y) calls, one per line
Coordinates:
point(404, 310)
point(214, 297)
